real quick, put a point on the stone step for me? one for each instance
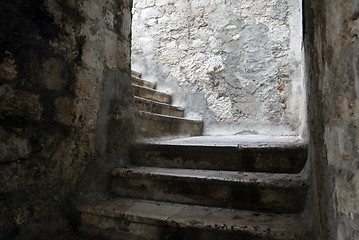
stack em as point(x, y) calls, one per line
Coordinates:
point(136, 74)
point(151, 94)
point(143, 83)
point(273, 155)
point(130, 219)
point(157, 107)
point(156, 125)
point(279, 193)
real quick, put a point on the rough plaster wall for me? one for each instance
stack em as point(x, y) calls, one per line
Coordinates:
point(65, 106)
point(234, 64)
point(332, 47)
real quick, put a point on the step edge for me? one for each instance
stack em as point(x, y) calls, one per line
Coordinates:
point(133, 72)
point(144, 81)
point(152, 90)
point(145, 113)
point(154, 144)
point(159, 103)
point(296, 180)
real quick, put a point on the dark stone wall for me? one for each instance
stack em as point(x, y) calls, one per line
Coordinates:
point(331, 30)
point(66, 109)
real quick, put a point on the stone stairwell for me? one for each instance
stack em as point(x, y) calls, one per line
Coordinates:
point(157, 118)
point(234, 187)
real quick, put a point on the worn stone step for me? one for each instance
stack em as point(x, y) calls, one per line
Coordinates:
point(151, 94)
point(281, 193)
point(143, 83)
point(157, 107)
point(151, 220)
point(156, 125)
point(136, 74)
point(234, 153)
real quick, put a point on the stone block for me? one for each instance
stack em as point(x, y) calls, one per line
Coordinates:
point(117, 52)
point(149, 13)
point(109, 19)
point(65, 110)
point(125, 18)
point(72, 112)
point(8, 70)
point(354, 9)
point(21, 104)
point(13, 147)
point(52, 74)
point(145, 3)
point(346, 192)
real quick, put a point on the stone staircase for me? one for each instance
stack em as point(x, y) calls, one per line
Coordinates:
point(234, 187)
point(157, 118)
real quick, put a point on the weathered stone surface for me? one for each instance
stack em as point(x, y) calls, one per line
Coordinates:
point(152, 125)
point(7, 68)
point(143, 83)
point(138, 219)
point(136, 74)
point(332, 46)
point(20, 103)
point(234, 64)
point(221, 153)
point(62, 63)
point(151, 94)
point(117, 52)
point(354, 9)
point(65, 112)
point(13, 146)
point(146, 105)
point(282, 193)
point(49, 73)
